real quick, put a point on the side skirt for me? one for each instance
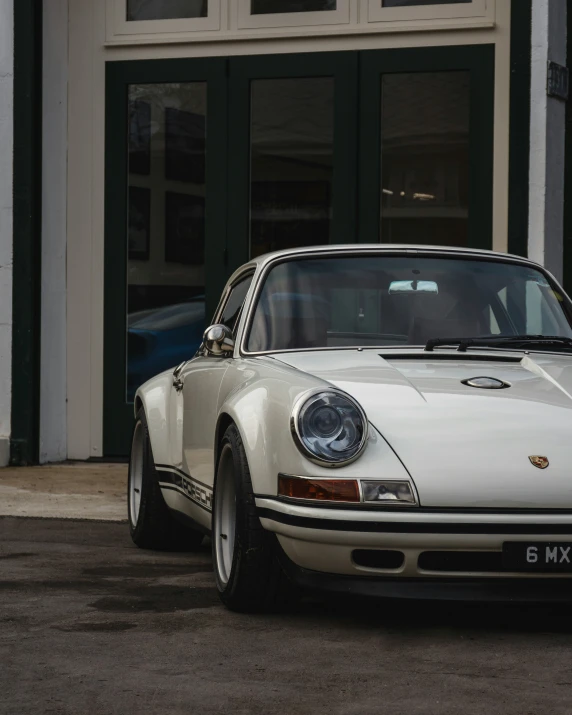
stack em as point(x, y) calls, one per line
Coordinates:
point(186, 496)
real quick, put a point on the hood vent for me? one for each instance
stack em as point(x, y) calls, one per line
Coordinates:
point(451, 357)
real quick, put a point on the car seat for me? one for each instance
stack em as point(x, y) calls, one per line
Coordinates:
point(443, 315)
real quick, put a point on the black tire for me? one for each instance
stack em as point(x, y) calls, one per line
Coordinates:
point(256, 582)
point(155, 526)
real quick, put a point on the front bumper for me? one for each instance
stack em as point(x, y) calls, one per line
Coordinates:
point(501, 590)
point(321, 543)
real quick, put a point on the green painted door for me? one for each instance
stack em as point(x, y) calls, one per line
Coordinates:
point(210, 162)
point(165, 223)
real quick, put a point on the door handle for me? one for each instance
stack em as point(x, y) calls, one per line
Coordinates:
point(177, 379)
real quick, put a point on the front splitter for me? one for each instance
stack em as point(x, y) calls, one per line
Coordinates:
point(494, 590)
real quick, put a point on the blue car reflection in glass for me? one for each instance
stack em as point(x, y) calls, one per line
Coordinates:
point(161, 338)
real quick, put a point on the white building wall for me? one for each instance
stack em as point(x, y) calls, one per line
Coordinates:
point(6, 204)
point(547, 138)
point(53, 386)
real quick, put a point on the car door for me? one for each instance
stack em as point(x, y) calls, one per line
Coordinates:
point(202, 379)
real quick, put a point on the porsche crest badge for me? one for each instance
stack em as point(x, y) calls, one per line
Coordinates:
point(540, 462)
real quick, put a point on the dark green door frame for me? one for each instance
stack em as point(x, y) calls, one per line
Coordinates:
point(27, 242)
point(479, 60)
point(117, 412)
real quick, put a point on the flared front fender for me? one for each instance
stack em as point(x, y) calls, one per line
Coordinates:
point(261, 407)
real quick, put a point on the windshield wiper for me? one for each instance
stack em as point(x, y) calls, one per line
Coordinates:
point(496, 340)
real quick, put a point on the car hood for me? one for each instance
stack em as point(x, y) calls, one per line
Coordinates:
point(464, 447)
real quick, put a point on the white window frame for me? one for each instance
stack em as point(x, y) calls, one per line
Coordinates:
point(232, 20)
point(246, 21)
point(119, 28)
point(477, 11)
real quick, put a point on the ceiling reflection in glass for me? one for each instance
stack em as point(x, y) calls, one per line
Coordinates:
point(272, 7)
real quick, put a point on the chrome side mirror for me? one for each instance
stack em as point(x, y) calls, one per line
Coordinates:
point(218, 341)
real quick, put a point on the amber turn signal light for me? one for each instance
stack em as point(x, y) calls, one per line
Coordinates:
point(346, 490)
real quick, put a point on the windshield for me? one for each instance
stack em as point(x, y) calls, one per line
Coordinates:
point(366, 301)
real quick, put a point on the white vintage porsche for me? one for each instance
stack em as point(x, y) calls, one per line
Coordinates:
point(382, 420)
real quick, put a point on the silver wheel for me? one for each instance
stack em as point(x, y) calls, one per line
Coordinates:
point(224, 527)
point(136, 474)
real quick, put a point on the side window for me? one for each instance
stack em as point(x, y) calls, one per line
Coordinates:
point(234, 303)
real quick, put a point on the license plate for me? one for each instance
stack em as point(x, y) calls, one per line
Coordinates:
point(537, 556)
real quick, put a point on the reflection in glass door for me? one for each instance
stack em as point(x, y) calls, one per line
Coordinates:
point(291, 165)
point(292, 160)
point(425, 158)
point(166, 226)
point(426, 146)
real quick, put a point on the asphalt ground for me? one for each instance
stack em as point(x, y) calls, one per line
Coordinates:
point(90, 624)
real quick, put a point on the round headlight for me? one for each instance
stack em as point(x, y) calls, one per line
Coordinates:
point(330, 428)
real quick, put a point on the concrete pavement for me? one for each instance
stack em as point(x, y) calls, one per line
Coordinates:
point(73, 490)
point(91, 625)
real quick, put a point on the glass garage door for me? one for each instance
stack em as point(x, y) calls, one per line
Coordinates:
point(211, 162)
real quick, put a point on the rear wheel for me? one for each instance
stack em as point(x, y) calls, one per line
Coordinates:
point(151, 524)
point(248, 575)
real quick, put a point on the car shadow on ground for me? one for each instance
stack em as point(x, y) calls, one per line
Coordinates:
point(409, 615)
point(115, 578)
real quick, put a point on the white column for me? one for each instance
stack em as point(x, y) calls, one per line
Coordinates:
point(6, 222)
point(547, 138)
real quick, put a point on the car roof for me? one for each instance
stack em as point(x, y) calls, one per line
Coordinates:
point(261, 261)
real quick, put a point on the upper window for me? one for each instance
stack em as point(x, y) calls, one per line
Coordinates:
point(432, 11)
point(138, 10)
point(375, 301)
point(262, 14)
point(269, 7)
point(408, 3)
point(160, 20)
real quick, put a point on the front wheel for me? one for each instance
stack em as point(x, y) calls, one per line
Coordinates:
point(151, 524)
point(248, 575)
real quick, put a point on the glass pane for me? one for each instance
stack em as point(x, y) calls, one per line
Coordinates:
point(166, 9)
point(234, 303)
point(425, 158)
point(270, 7)
point(408, 3)
point(292, 137)
point(166, 242)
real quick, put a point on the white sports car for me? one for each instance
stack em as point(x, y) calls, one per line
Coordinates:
point(383, 420)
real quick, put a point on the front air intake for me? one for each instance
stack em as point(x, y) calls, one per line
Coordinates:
point(461, 561)
point(378, 559)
